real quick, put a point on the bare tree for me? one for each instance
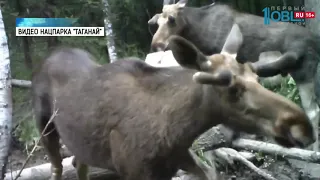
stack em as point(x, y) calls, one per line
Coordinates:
point(314, 25)
point(5, 100)
point(25, 40)
point(109, 33)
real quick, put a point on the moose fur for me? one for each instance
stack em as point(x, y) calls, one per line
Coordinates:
point(281, 48)
point(140, 120)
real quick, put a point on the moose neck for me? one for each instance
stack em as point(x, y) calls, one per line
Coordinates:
point(204, 113)
point(207, 27)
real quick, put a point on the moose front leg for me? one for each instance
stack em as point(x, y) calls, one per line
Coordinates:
point(82, 169)
point(311, 107)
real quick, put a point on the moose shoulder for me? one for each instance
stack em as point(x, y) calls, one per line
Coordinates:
point(140, 120)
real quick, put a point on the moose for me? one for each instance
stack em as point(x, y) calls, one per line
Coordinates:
point(294, 48)
point(139, 120)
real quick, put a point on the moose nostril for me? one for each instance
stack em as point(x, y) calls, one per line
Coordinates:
point(300, 136)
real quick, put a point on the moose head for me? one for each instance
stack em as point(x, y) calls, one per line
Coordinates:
point(169, 22)
point(247, 105)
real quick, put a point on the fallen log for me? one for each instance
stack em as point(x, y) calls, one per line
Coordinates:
point(268, 148)
point(43, 171)
point(217, 137)
point(21, 83)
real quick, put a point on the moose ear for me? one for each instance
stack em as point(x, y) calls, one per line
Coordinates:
point(186, 54)
point(182, 3)
point(233, 41)
point(154, 19)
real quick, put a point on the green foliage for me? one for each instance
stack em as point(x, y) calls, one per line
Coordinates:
point(95, 45)
point(27, 133)
point(288, 89)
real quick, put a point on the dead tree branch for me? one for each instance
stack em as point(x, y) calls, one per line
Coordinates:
point(43, 171)
point(21, 83)
point(294, 153)
point(34, 148)
point(228, 153)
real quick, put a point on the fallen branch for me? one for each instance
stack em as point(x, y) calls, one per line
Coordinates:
point(229, 153)
point(268, 148)
point(43, 171)
point(21, 83)
point(216, 137)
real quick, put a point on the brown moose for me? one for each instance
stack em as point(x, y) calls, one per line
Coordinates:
point(140, 121)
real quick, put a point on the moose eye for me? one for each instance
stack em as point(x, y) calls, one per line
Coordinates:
point(171, 19)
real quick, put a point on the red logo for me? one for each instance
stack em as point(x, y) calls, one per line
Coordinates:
point(310, 14)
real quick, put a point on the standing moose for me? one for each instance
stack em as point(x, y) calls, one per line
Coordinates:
point(295, 48)
point(140, 120)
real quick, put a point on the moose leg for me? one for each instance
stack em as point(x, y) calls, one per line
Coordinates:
point(52, 147)
point(311, 107)
point(82, 169)
point(50, 137)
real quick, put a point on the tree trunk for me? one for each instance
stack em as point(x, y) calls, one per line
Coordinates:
point(109, 33)
point(25, 40)
point(49, 13)
point(26, 52)
point(5, 100)
point(314, 25)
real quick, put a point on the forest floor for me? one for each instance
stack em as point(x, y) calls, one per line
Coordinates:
point(19, 156)
point(282, 169)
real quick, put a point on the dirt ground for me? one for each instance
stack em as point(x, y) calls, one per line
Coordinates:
point(18, 157)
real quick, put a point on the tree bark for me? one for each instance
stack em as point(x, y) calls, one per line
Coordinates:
point(26, 52)
point(109, 33)
point(5, 100)
point(49, 13)
point(25, 40)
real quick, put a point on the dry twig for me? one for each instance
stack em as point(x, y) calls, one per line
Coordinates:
point(35, 146)
point(230, 155)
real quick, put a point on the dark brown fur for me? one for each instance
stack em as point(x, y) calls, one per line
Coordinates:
point(140, 120)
